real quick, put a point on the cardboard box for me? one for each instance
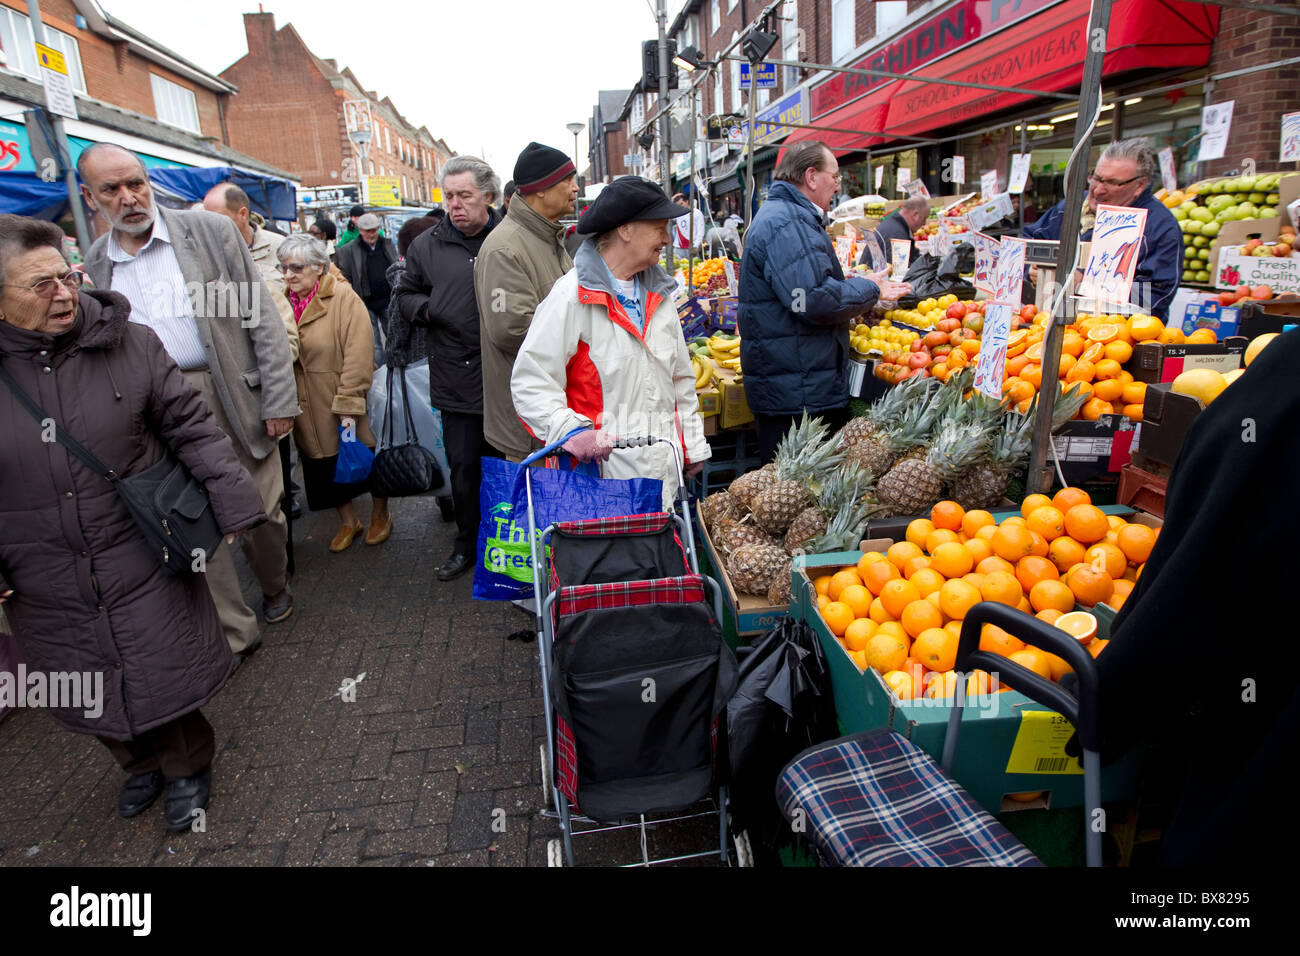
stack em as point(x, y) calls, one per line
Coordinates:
point(1234, 268)
point(722, 313)
point(1240, 231)
point(711, 426)
point(1157, 362)
point(995, 210)
point(694, 319)
point(1194, 309)
point(1142, 489)
point(734, 409)
point(1087, 450)
point(750, 613)
point(710, 400)
point(999, 732)
point(1166, 416)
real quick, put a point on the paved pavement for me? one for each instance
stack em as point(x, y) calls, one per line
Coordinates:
point(435, 763)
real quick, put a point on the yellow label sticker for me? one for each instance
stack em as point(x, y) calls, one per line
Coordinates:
point(51, 59)
point(1040, 744)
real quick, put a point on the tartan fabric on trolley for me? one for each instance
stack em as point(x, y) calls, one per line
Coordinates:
point(624, 524)
point(876, 799)
point(688, 589)
point(566, 760)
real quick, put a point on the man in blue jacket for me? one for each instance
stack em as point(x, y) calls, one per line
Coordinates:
point(1123, 177)
point(795, 303)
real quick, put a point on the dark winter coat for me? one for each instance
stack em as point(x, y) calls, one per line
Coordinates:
point(352, 263)
point(1160, 260)
point(795, 306)
point(1200, 663)
point(893, 226)
point(404, 343)
point(436, 291)
point(89, 595)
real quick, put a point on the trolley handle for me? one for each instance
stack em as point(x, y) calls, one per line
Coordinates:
point(549, 449)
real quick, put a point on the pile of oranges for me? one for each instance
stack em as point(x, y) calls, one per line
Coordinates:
point(900, 611)
point(1093, 352)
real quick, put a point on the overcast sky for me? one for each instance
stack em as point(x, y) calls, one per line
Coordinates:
point(487, 76)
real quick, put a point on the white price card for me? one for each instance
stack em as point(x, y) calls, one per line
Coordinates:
point(904, 177)
point(916, 189)
point(1290, 137)
point(992, 363)
point(959, 169)
point(1010, 272)
point(989, 183)
point(1019, 173)
point(1167, 171)
point(986, 261)
point(900, 252)
point(1112, 260)
point(1216, 121)
point(880, 177)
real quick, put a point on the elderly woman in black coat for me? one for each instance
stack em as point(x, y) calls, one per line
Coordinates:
point(84, 593)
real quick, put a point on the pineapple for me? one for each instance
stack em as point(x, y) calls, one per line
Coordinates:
point(846, 483)
point(914, 485)
point(877, 455)
point(744, 488)
point(844, 529)
point(778, 592)
point(718, 505)
point(753, 567)
point(742, 533)
point(803, 460)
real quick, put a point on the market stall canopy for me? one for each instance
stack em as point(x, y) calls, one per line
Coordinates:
point(26, 194)
point(1031, 45)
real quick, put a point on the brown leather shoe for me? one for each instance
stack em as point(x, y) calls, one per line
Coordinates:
point(343, 540)
point(379, 533)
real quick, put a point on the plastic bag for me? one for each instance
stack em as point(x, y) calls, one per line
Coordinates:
point(505, 567)
point(354, 459)
point(428, 422)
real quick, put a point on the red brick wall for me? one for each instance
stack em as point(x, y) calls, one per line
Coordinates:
point(1248, 39)
point(117, 77)
point(615, 149)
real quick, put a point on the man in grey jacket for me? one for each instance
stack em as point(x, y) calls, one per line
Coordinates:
point(189, 276)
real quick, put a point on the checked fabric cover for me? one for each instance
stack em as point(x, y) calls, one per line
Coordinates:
point(641, 675)
point(876, 799)
point(606, 550)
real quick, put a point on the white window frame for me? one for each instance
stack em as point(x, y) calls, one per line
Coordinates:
point(735, 78)
point(716, 11)
point(894, 13)
point(843, 35)
point(719, 107)
point(790, 45)
point(731, 5)
point(170, 101)
point(22, 58)
point(388, 140)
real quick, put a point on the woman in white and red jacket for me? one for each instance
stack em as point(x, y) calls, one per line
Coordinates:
point(605, 349)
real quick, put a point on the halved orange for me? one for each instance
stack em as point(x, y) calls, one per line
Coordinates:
point(1095, 352)
point(1080, 624)
point(1017, 342)
point(1035, 352)
point(1103, 333)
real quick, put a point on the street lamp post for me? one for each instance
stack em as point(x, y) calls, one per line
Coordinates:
point(361, 140)
point(575, 129)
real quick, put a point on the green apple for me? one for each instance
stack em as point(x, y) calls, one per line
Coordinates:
point(1210, 230)
point(1271, 199)
point(1268, 212)
point(1189, 275)
point(1247, 210)
point(1215, 203)
point(1226, 215)
point(1203, 255)
point(1192, 227)
point(1199, 241)
point(1256, 198)
point(1246, 184)
point(1203, 276)
point(1201, 214)
point(1262, 251)
point(1179, 213)
point(1187, 205)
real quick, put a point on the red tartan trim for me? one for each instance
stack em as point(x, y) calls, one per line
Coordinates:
point(623, 524)
point(566, 760)
point(688, 589)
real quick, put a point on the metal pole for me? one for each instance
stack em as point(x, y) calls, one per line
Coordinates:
point(61, 137)
point(665, 119)
point(695, 123)
point(1024, 141)
point(1038, 477)
point(749, 151)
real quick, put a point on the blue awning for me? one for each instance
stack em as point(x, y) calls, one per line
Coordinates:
point(26, 194)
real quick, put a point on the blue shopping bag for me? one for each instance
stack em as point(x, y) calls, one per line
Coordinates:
point(354, 460)
point(505, 567)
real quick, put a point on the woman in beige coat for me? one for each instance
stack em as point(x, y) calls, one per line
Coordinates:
point(334, 367)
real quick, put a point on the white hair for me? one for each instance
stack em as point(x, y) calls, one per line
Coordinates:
point(306, 249)
point(485, 180)
point(1140, 151)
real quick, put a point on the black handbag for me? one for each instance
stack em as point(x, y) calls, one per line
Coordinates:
point(406, 468)
point(169, 506)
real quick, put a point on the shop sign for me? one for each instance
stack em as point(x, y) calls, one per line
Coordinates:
point(15, 152)
point(766, 76)
point(776, 122)
point(946, 31)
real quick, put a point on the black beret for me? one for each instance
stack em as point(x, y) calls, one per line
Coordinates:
point(627, 199)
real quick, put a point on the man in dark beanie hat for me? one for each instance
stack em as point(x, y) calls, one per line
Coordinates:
point(515, 270)
point(351, 232)
point(605, 349)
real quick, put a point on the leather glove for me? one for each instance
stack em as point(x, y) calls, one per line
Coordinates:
point(590, 445)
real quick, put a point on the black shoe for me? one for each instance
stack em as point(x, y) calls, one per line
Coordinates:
point(277, 607)
point(138, 794)
point(447, 508)
point(454, 567)
point(295, 510)
point(184, 796)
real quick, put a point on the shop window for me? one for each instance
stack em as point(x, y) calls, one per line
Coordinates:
point(735, 78)
point(890, 15)
point(716, 18)
point(790, 46)
point(174, 104)
point(842, 29)
point(20, 52)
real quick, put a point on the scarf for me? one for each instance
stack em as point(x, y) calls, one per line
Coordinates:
point(299, 303)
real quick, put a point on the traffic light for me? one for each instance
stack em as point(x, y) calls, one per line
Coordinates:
point(650, 65)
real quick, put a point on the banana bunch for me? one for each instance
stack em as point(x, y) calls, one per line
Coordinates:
point(725, 350)
point(703, 368)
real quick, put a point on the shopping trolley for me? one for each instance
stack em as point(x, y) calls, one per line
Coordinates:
point(635, 676)
point(876, 799)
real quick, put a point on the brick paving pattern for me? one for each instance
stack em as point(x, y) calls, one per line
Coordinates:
point(436, 763)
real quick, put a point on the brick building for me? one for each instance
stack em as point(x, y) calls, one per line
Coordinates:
point(607, 137)
point(128, 88)
point(290, 111)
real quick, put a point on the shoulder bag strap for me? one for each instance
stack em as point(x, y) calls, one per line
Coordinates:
point(68, 442)
point(386, 433)
point(411, 437)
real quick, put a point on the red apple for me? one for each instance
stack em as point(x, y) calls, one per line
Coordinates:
point(934, 338)
point(918, 360)
point(1261, 292)
point(1028, 312)
point(956, 311)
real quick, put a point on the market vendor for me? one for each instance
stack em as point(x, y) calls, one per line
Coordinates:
point(902, 223)
point(1123, 177)
point(605, 350)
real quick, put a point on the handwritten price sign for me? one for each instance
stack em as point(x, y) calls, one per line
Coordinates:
point(1117, 240)
point(990, 369)
point(900, 251)
point(1290, 137)
point(1010, 272)
point(986, 261)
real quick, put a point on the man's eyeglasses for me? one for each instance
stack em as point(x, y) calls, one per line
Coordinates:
point(295, 267)
point(838, 177)
point(48, 287)
point(1112, 183)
